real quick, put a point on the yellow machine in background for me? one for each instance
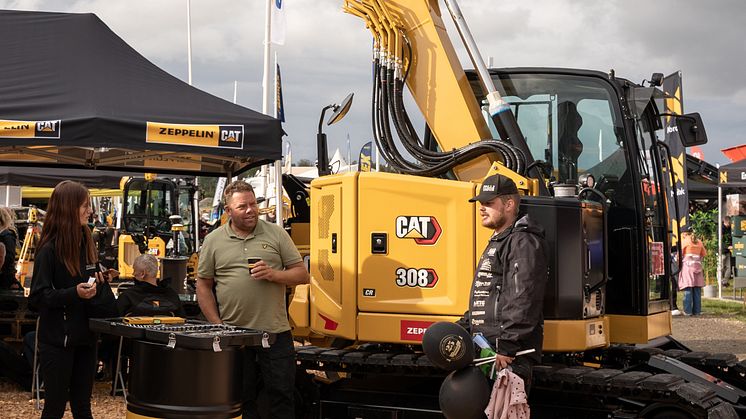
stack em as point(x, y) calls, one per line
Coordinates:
point(155, 212)
point(30, 241)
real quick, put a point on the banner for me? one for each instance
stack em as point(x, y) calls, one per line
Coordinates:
point(280, 112)
point(363, 162)
point(277, 33)
point(675, 105)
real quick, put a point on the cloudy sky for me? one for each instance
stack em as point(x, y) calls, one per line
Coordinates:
point(327, 52)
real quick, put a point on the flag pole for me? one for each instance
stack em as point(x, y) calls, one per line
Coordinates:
point(265, 86)
point(278, 163)
point(189, 42)
point(195, 198)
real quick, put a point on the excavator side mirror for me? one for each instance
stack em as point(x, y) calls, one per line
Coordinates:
point(340, 110)
point(691, 129)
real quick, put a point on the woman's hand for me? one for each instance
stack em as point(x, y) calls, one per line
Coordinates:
point(86, 291)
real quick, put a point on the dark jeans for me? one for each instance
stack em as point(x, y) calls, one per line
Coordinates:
point(68, 375)
point(271, 373)
point(523, 367)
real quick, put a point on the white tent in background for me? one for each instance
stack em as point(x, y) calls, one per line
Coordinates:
point(337, 164)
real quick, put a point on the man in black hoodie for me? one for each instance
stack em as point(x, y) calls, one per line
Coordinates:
point(147, 297)
point(507, 294)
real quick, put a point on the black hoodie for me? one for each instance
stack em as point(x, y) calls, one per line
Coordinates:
point(507, 294)
point(145, 299)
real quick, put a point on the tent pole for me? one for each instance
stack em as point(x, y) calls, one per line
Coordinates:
point(720, 239)
point(265, 87)
point(189, 41)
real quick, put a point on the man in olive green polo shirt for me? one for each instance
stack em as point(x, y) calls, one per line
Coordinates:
point(253, 297)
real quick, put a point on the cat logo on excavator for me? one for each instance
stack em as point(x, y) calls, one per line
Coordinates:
point(425, 230)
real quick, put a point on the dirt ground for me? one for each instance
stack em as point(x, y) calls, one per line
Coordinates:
point(702, 333)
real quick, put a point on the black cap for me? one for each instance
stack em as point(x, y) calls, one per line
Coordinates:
point(494, 186)
point(686, 229)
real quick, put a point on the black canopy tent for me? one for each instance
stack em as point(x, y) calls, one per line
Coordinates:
point(73, 94)
point(731, 177)
point(50, 177)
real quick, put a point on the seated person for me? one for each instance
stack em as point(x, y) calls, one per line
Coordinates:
point(147, 297)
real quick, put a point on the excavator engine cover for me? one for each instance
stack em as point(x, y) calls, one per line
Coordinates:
point(574, 231)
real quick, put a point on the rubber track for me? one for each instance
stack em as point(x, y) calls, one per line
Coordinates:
point(615, 388)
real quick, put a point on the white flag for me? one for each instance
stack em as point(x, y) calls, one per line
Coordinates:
point(278, 22)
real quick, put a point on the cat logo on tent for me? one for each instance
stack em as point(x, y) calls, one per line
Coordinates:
point(231, 136)
point(30, 129)
point(424, 230)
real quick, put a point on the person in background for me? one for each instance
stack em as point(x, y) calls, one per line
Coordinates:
point(66, 299)
point(147, 297)
point(253, 296)
point(9, 238)
point(726, 252)
point(691, 277)
point(675, 281)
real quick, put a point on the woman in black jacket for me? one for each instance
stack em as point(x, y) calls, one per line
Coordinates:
point(65, 297)
point(9, 238)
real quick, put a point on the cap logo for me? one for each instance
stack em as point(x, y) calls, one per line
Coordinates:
point(488, 188)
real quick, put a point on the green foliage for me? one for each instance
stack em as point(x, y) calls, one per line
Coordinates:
point(705, 227)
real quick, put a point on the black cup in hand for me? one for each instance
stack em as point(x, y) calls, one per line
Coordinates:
point(252, 262)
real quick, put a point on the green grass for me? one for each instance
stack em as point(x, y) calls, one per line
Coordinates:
point(721, 308)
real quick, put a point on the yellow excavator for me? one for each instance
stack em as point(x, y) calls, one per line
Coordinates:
point(392, 253)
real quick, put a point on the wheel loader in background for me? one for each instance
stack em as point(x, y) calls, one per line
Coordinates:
point(391, 254)
point(157, 217)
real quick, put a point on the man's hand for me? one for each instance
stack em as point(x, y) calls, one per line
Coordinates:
point(263, 271)
point(502, 361)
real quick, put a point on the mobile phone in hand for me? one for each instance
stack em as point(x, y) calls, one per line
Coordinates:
point(90, 282)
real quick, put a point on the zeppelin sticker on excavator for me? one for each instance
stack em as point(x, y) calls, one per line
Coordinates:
point(413, 329)
point(425, 230)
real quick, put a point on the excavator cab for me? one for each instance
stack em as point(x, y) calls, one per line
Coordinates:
point(599, 136)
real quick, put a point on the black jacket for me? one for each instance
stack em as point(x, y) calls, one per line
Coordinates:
point(63, 315)
point(145, 299)
point(507, 294)
point(8, 271)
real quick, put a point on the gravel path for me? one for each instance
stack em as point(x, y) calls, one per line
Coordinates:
point(711, 334)
point(701, 333)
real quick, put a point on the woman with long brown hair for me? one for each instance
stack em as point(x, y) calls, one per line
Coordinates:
point(64, 296)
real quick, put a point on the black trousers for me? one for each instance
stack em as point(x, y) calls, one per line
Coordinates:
point(269, 380)
point(68, 375)
point(523, 367)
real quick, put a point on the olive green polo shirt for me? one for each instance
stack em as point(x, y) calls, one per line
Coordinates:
point(242, 300)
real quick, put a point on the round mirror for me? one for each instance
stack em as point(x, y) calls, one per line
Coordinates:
point(340, 110)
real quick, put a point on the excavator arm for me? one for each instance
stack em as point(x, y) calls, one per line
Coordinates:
point(411, 46)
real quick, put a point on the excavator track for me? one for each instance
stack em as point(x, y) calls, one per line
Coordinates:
point(625, 384)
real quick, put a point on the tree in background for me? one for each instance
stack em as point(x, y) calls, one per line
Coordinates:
point(705, 226)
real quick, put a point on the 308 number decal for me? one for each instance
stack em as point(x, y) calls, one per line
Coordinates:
point(416, 278)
